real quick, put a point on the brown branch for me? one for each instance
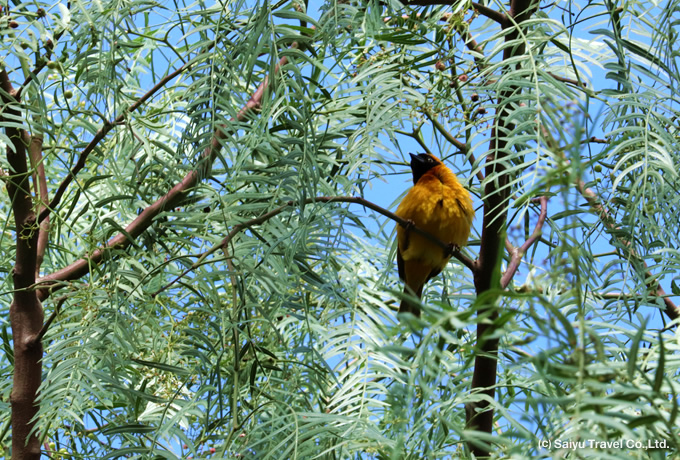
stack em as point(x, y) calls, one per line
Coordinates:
point(571, 81)
point(35, 150)
point(497, 16)
point(524, 289)
point(458, 144)
point(31, 76)
point(479, 414)
point(672, 310)
point(518, 253)
point(447, 135)
point(54, 281)
point(50, 320)
point(415, 135)
point(492, 14)
point(25, 311)
point(469, 263)
point(472, 45)
point(99, 135)
point(41, 63)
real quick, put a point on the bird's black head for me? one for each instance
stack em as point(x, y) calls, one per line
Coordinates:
point(422, 163)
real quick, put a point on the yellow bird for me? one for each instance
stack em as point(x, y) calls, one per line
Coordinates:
point(438, 204)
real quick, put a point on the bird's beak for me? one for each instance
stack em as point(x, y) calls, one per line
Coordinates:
point(414, 157)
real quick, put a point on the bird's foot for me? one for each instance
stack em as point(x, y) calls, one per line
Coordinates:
point(451, 249)
point(407, 228)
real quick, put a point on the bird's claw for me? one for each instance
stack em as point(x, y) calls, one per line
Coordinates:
point(407, 228)
point(452, 248)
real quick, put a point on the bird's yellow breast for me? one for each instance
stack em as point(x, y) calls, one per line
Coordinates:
point(440, 205)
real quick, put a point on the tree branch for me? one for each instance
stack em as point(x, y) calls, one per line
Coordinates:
point(492, 14)
point(672, 310)
point(54, 281)
point(518, 253)
point(472, 45)
point(321, 199)
point(456, 143)
point(497, 16)
point(596, 140)
point(479, 414)
point(25, 312)
point(50, 320)
point(447, 135)
point(99, 135)
point(35, 150)
point(571, 81)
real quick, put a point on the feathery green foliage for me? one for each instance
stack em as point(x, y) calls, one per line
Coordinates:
point(284, 342)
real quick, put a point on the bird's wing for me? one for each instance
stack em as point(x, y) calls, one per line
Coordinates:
point(400, 265)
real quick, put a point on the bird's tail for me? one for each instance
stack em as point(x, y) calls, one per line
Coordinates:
point(409, 306)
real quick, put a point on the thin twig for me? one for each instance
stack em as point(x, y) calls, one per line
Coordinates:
point(447, 135)
point(473, 46)
point(518, 253)
point(492, 14)
point(458, 144)
point(571, 81)
point(49, 321)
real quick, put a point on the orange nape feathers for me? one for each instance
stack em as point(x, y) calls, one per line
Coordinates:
point(438, 204)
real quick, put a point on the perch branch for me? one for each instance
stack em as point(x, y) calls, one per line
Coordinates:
point(322, 199)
